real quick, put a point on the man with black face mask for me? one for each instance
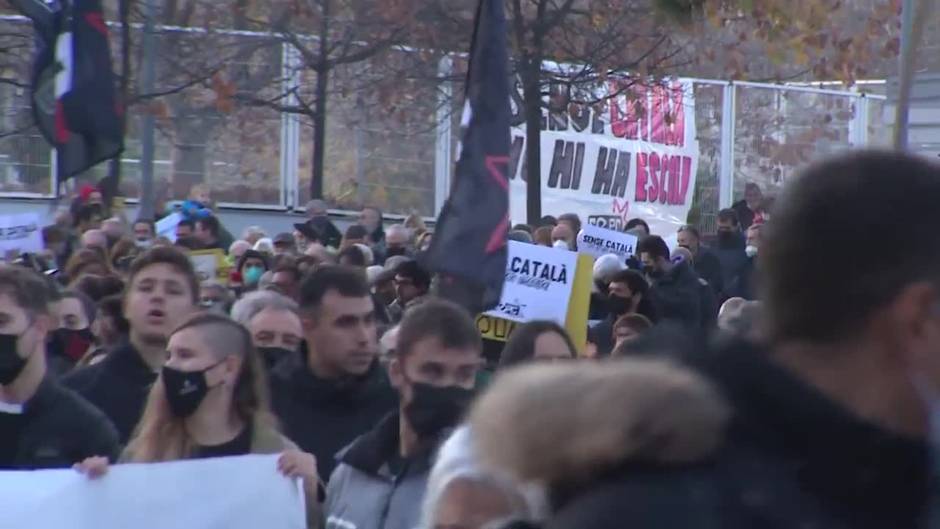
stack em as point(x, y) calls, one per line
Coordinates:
point(73, 338)
point(628, 293)
point(381, 479)
point(729, 248)
point(675, 286)
point(42, 424)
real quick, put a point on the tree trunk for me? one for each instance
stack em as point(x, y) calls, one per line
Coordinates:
point(319, 120)
point(532, 95)
point(319, 135)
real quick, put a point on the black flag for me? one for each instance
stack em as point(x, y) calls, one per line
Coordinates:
point(73, 85)
point(469, 249)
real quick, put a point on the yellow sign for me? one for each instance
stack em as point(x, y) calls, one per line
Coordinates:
point(499, 329)
point(210, 264)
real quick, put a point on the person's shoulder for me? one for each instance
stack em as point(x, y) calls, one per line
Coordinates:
point(76, 414)
point(84, 378)
point(660, 498)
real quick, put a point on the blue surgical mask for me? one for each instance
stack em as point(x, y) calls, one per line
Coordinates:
point(253, 274)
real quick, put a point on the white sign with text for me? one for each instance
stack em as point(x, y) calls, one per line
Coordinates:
point(597, 241)
point(538, 283)
point(21, 233)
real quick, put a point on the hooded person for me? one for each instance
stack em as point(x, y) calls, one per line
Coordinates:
point(676, 290)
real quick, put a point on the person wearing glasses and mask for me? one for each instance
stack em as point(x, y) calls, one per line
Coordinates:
point(211, 400)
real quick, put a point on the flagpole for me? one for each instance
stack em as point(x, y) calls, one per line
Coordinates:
point(147, 81)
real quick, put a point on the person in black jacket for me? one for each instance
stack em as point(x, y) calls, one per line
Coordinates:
point(834, 422)
point(706, 264)
point(729, 248)
point(162, 291)
point(676, 289)
point(628, 293)
point(43, 425)
point(340, 391)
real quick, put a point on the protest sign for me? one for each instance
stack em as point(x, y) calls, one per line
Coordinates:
point(166, 227)
point(538, 283)
point(210, 264)
point(222, 492)
point(597, 241)
point(634, 155)
point(20, 233)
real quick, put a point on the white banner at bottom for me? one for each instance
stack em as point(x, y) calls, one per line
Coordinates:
point(244, 492)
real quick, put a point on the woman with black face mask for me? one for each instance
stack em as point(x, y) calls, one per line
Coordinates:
point(73, 338)
point(210, 400)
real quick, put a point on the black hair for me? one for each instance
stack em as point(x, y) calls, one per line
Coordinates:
point(729, 215)
point(354, 254)
point(548, 220)
point(111, 307)
point(811, 294)
point(347, 281)
point(253, 254)
point(88, 305)
point(210, 223)
point(171, 256)
point(633, 223)
point(638, 285)
point(87, 212)
point(574, 219)
point(653, 245)
point(523, 227)
point(191, 224)
point(691, 229)
point(520, 348)
point(437, 318)
point(413, 271)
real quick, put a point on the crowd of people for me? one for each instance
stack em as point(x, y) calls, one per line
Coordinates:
point(750, 379)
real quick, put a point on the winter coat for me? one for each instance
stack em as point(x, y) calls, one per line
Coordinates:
point(677, 295)
point(744, 285)
point(708, 267)
point(790, 458)
point(732, 258)
point(324, 416)
point(118, 386)
point(58, 428)
point(365, 492)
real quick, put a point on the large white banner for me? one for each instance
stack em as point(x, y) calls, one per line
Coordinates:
point(21, 232)
point(244, 492)
point(538, 283)
point(633, 155)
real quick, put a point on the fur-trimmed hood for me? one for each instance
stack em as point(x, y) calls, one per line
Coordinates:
point(565, 424)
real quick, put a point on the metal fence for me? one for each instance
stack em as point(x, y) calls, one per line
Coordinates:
point(256, 158)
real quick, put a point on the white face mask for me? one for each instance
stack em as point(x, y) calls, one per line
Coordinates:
point(751, 251)
point(560, 245)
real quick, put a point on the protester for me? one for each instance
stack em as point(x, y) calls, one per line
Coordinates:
point(123, 253)
point(628, 293)
point(729, 248)
point(706, 264)
point(381, 478)
point(540, 341)
point(423, 242)
point(185, 229)
point(71, 337)
point(237, 250)
point(207, 231)
point(162, 290)
point(253, 234)
point(629, 327)
point(274, 323)
point(210, 400)
point(44, 425)
point(286, 279)
point(306, 234)
point(86, 262)
point(741, 318)
point(564, 233)
point(834, 415)
point(370, 218)
point(110, 327)
point(251, 267)
point(284, 244)
point(708, 299)
point(412, 284)
point(744, 285)
point(113, 230)
point(215, 296)
point(415, 225)
point(572, 220)
point(95, 238)
point(88, 217)
point(605, 267)
point(144, 232)
point(520, 236)
point(750, 210)
point(543, 236)
point(675, 287)
point(352, 256)
point(265, 246)
point(339, 391)
point(98, 287)
point(548, 221)
point(397, 239)
point(368, 256)
point(633, 224)
point(318, 216)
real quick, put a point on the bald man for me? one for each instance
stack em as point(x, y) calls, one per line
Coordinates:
point(95, 239)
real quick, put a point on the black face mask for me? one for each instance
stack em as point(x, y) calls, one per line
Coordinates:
point(273, 355)
point(70, 343)
point(652, 271)
point(185, 390)
point(434, 409)
point(725, 238)
point(619, 305)
point(11, 363)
